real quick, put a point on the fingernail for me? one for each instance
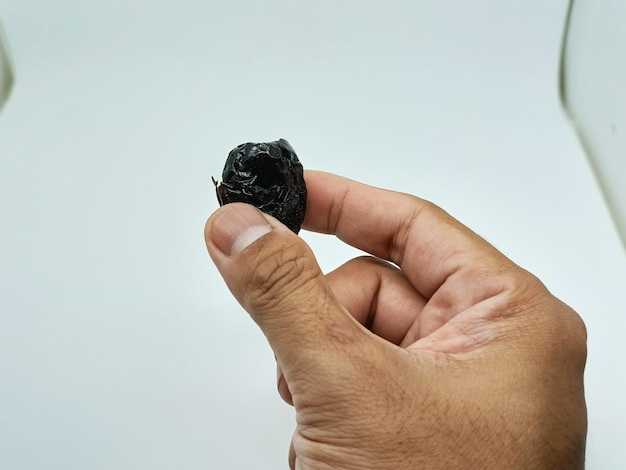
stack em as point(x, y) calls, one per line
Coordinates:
point(238, 226)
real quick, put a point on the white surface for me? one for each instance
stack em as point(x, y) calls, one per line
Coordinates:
point(120, 347)
point(594, 72)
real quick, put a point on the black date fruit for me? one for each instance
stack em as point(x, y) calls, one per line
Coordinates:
point(268, 176)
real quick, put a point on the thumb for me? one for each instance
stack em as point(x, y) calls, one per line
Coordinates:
point(275, 277)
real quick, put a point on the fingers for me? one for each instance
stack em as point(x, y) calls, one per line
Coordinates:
point(379, 296)
point(427, 243)
point(292, 457)
point(283, 387)
point(275, 277)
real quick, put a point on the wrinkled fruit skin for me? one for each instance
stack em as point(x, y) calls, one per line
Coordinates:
point(268, 176)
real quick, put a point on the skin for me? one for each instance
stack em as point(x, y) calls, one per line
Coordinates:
point(434, 352)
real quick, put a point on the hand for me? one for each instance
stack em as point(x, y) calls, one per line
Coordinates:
point(437, 352)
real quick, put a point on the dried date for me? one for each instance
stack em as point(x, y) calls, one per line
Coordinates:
point(268, 175)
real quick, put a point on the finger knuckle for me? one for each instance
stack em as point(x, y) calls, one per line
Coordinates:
point(280, 272)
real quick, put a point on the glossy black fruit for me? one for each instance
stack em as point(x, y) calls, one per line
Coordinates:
point(268, 176)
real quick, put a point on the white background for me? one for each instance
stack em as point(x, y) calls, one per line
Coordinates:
point(120, 347)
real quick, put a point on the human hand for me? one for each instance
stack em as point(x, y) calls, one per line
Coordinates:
point(437, 352)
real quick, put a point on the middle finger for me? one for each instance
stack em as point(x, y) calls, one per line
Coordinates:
point(378, 295)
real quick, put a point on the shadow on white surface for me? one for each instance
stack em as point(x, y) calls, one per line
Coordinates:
point(593, 75)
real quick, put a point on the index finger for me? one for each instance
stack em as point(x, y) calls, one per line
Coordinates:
point(420, 237)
